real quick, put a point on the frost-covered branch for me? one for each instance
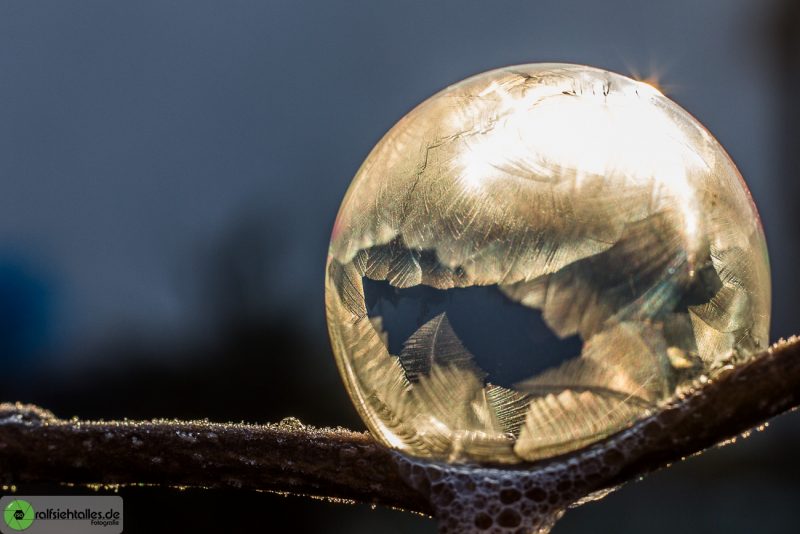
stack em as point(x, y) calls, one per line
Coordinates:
point(37, 447)
point(289, 457)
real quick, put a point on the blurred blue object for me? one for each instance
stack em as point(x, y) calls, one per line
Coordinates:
point(26, 309)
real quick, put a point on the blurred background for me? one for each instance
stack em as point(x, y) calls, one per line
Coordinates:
point(170, 172)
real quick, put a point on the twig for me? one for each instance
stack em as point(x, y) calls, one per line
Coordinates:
point(289, 457)
point(37, 447)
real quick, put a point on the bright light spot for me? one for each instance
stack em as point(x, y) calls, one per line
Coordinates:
point(595, 131)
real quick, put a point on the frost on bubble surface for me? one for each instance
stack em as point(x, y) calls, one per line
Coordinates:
point(536, 257)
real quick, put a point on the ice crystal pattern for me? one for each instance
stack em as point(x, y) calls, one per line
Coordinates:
point(536, 257)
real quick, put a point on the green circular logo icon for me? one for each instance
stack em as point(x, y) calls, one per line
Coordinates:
point(18, 514)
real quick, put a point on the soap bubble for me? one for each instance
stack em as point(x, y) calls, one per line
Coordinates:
point(536, 257)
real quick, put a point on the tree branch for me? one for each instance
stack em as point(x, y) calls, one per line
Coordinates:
point(289, 457)
point(37, 447)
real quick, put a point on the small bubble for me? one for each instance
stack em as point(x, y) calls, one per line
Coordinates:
point(291, 423)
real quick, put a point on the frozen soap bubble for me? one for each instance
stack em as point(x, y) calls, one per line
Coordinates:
point(535, 257)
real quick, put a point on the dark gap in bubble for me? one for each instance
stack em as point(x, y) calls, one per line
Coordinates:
point(702, 288)
point(510, 341)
